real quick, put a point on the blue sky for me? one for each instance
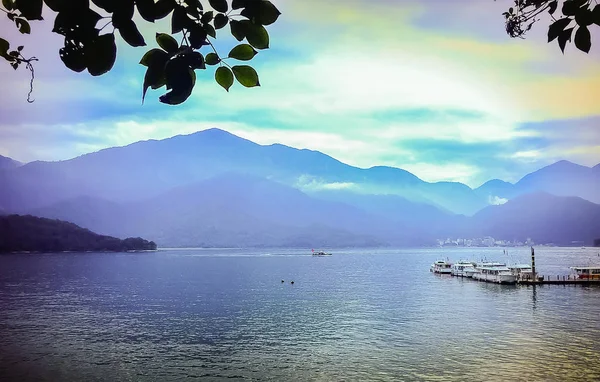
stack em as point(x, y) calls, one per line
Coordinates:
point(434, 87)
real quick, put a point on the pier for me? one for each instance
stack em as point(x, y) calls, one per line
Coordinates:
point(560, 280)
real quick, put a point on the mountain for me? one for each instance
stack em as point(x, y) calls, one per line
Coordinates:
point(562, 178)
point(146, 169)
point(34, 234)
point(8, 163)
point(543, 217)
point(234, 210)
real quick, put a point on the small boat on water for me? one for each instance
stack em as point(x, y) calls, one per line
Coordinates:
point(462, 269)
point(441, 266)
point(320, 253)
point(522, 271)
point(587, 272)
point(493, 272)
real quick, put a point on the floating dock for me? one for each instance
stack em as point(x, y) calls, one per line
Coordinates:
point(564, 280)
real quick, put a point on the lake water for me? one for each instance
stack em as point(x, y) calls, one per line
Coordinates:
point(358, 315)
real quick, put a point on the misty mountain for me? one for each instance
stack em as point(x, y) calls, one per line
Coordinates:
point(542, 217)
point(562, 178)
point(7, 163)
point(148, 168)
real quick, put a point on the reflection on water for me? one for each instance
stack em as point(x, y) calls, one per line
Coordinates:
point(358, 315)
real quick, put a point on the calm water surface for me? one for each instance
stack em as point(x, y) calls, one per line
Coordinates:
point(358, 315)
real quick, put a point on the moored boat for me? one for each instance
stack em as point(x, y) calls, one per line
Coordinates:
point(462, 269)
point(587, 272)
point(494, 272)
point(522, 271)
point(441, 266)
point(320, 253)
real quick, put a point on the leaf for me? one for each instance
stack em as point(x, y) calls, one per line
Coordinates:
point(197, 36)
point(564, 37)
point(224, 77)
point(30, 9)
point(130, 33)
point(100, 56)
point(123, 13)
point(256, 35)
point(210, 30)
point(237, 29)
point(584, 17)
point(243, 52)
point(23, 25)
point(20, 48)
point(168, 43)
point(155, 78)
point(179, 20)
point(212, 59)
point(552, 7)
point(163, 8)
point(596, 15)
point(196, 60)
point(557, 27)
point(57, 5)
point(220, 21)
point(154, 57)
point(72, 56)
point(108, 5)
point(4, 47)
point(570, 8)
point(180, 79)
point(583, 39)
point(8, 4)
point(146, 9)
point(237, 4)
point(246, 75)
point(261, 12)
point(219, 5)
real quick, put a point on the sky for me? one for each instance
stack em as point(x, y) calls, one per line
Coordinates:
point(435, 87)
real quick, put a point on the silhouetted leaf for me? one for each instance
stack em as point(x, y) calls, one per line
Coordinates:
point(596, 15)
point(246, 75)
point(256, 35)
point(570, 7)
point(207, 17)
point(237, 4)
point(564, 37)
point(23, 25)
point(261, 12)
point(583, 39)
point(131, 34)
point(100, 56)
point(219, 5)
point(154, 78)
point(20, 48)
point(552, 7)
point(212, 59)
point(123, 13)
point(108, 5)
point(72, 56)
point(243, 52)
point(584, 17)
point(197, 36)
point(168, 43)
point(557, 27)
point(179, 20)
point(210, 30)
point(163, 8)
point(8, 4)
point(30, 9)
point(237, 30)
point(57, 5)
point(146, 9)
point(220, 21)
point(195, 60)
point(180, 79)
point(4, 47)
point(224, 77)
point(154, 57)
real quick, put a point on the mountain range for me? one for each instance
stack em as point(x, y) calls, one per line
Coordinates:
point(212, 188)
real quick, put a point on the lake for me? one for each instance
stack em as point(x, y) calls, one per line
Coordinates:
point(358, 315)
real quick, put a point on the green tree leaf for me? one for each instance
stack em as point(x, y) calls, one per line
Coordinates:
point(256, 35)
point(246, 75)
point(154, 57)
point(219, 5)
point(100, 56)
point(557, 27)
point(23, 25)
point(583, 39)
point(207, 17)
point(237, 29)
point(210, 30)
point(212, 59)
point(243, 52)
point(220, 21)
point(224, 77)
point(167, 42)
point(130, 33)
point(261, 12)
point(30, 9)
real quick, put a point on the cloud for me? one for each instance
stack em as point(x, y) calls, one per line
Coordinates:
point(312, 183)
point(496, 200)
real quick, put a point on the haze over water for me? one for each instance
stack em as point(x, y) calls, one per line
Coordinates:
point(358, 315)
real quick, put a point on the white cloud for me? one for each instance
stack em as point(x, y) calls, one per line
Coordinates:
point(430, 172)
point(312, 183)
point(496, 200)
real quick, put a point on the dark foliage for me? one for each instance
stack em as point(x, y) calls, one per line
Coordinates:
point(90, 38)
point(33, 234)
point(571, 20)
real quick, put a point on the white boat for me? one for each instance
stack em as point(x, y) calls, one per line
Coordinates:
point(587, 272)
point(441, 266)
point(494, 273)
point(320, 253)
point(463, 269)
point(522, 271)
